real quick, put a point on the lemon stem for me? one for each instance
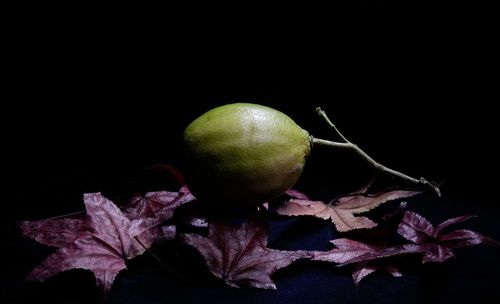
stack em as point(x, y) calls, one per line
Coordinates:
point(349, 145)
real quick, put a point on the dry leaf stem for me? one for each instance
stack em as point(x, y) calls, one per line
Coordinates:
point(349, 145)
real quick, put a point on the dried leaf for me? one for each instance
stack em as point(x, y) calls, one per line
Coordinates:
point(296, 194)
point(452, 221)
point(435, 244)
point(100, 244)
point(349, 251)
point(168, 232)
point(159, 205)
point(57, 233)
point(239, 256)
point(85, 253)
point(415, 228)
point(263, 207)
point(197, 222)
point(342, 212)
point(345, 250)
point(361, 270)
point(365, 257)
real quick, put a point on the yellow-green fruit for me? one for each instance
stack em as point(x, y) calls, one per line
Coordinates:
point(243, 153)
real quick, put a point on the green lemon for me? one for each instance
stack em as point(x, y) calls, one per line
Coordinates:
point(244, 153)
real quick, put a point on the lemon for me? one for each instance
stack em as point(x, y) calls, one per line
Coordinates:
point(243, 153)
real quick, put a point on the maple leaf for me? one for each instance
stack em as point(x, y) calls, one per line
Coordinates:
point(100, 243)
point(426, 239)
point(433, 242)
point(361, 270)
point(349, 251)
point(197, 222)
point(159, 204)
point(239, 254)
point(342, 211)
point(56, 232)
point(296, 194)
point(365, 257)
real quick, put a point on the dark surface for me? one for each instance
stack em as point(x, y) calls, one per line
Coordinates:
point(470, 277)
point(86, 112)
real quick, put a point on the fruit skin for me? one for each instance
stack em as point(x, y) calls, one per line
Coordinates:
point(243, 153)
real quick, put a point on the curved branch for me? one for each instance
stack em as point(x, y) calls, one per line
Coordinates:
point(349, 145)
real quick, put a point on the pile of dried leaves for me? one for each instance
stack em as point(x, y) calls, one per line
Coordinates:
point(107, 235)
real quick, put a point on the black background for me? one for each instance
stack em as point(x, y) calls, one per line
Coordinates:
point(86, 105)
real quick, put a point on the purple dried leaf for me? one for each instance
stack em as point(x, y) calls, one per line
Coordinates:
point(342, 213)
point(57, 233)
point(345, 250)
point(239, 254)
point(160, 204)
point(415, 228)
point(296, 194)
point(362, 270)
point(365, 202)
point(435, 253)
point(198, 222)
point(349, 251)
point(85, 253)
point(460, 219)
point(102, 248)
point(365, 257)
point(344, 220)
point(463, 238)
point(428, 241)
point(168, 232)
point(107, 222)
point(435, 245)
